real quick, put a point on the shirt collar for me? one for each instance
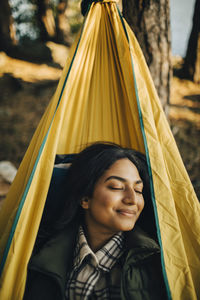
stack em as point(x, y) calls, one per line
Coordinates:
point(104, 258)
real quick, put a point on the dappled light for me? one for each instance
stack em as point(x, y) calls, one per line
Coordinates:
point(27, 87)
point(78, 81)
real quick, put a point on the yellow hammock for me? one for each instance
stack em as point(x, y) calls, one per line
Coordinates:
point(105, 94)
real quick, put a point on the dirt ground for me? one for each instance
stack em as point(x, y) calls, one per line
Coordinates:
point(26, 89)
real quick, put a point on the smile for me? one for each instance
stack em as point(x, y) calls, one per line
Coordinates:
point(127, 212)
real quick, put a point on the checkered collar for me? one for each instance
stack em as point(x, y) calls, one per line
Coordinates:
point(105, 258)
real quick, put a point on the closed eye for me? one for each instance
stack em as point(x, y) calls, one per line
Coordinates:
point(116, 188)
point(138, 192)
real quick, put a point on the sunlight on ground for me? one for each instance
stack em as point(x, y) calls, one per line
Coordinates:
point(59, 53)
point(27, 71)
point(185, 101)
point(26, 89)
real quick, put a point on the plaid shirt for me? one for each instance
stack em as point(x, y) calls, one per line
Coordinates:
point(96, 275)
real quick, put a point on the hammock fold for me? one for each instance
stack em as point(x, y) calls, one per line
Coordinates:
point(105, 94)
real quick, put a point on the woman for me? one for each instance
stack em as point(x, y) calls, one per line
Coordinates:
point(96, 251)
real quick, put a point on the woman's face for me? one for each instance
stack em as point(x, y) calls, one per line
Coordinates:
point(117, 199)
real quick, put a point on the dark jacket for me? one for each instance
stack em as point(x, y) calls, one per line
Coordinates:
point(141, 274)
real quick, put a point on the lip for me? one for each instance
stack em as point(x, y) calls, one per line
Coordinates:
point(127, 212)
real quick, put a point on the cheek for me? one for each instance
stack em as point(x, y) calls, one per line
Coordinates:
point(103, 199)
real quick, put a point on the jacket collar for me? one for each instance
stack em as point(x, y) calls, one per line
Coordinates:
point(139, 245)
point(55, 258)
point(137, 238)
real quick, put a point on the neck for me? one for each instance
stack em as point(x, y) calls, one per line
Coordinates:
point(97, 238)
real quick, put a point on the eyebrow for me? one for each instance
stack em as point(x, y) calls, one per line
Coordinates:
point(123, 179)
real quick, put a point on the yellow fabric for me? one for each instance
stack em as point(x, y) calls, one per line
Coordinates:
point(99, 103)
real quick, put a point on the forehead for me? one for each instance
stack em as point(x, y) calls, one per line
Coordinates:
point(123, 168)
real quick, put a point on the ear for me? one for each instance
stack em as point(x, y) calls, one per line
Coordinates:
point(85, 202)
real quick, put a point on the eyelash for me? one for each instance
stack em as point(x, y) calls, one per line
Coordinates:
point(139, 192)
point(120, 189)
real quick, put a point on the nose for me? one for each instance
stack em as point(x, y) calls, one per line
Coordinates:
point(130, 197)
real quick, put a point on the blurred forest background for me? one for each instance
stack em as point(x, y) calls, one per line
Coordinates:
point(35, 36)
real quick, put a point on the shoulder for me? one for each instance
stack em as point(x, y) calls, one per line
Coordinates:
point(140, 248)
point(142, 271)
point(137, 238)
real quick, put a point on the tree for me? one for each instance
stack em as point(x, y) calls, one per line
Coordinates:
point(149, 19)
point(191, 67)
point(52, 20)
point(45, 19)
point(62, 26)
point(7, 31)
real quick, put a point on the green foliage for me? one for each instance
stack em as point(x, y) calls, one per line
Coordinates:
point(25, 19)
point(23, 12)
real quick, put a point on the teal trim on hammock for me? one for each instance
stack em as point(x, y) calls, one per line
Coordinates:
point(149, 167)
point(12, 232)
point(22, 201)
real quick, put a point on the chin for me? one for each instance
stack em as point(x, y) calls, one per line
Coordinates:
point(127, 227)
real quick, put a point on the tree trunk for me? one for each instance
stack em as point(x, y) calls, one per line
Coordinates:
point(53, 26)
point(62, 25)
point(191, 67)
point(149, 19)
point(46, 20)
point(7, 30)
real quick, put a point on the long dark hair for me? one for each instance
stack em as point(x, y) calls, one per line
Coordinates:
point(86, 168)
point(89, 165)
